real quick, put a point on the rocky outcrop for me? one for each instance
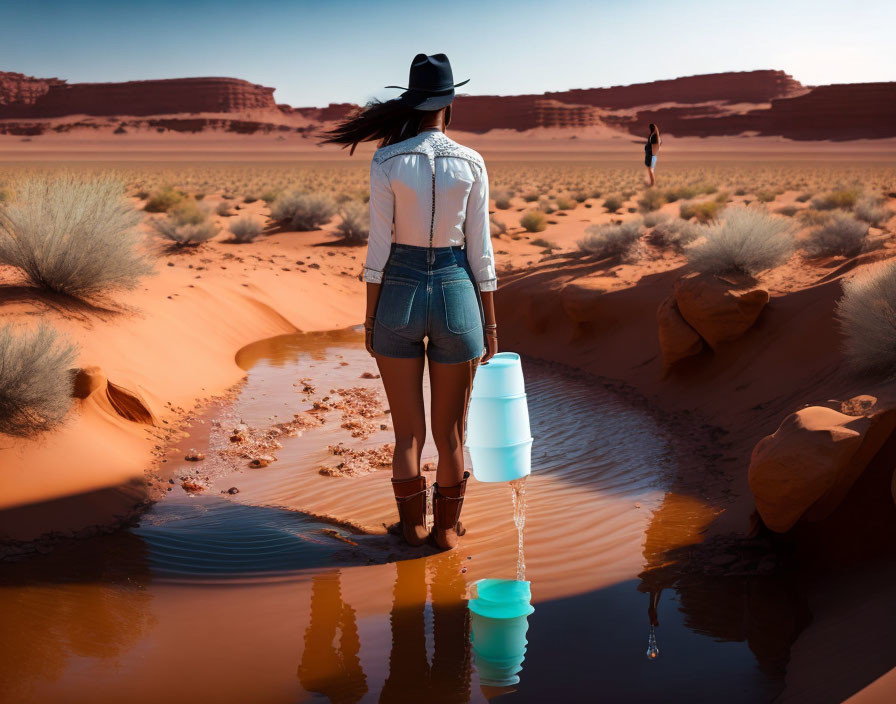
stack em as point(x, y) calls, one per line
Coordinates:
point(678, 340)
point(140, 98)
point(717, 310)
point(805, 469)
point(19, 89)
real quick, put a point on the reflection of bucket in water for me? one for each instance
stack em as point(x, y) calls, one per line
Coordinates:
point(500, 614)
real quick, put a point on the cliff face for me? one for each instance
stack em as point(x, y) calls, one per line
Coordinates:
point(162, 97)
point(732, 87)
point(19, 89)
point(763, 102)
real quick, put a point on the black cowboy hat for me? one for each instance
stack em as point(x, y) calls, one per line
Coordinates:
point(430, 83)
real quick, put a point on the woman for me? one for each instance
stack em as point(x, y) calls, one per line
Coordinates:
point(435, 279)
point(651, 148)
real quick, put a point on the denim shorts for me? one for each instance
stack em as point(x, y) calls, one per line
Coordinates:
point(436, 300)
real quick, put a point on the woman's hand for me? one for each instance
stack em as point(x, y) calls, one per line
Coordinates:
point(368, 335)
point(491, 345)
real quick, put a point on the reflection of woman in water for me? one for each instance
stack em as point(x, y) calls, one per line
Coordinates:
point(430, 275)
point(411, 677)
point(651, 149)
point(333, 672)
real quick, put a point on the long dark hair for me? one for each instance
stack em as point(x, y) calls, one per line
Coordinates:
point(653, 129)
point(387, 122)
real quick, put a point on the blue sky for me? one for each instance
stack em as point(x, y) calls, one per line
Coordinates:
point(314, 53)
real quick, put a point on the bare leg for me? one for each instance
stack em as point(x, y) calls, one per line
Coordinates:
point(451, 385)
point(650, 177)
point(403, 381)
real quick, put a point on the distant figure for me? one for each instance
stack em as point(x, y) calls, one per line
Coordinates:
point(651, 148)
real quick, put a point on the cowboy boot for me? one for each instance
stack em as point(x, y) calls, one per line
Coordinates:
point(447, 502)
point(410, 495)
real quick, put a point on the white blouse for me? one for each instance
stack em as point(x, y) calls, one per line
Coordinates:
point(435, 192)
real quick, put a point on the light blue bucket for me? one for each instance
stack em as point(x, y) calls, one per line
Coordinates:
point(501, 376)
point(497, 422)
point(501, 464)
point(500, 614)
point(498, 436)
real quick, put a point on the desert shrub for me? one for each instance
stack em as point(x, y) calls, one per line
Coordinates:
point(542, 242)
point(747, 240)
point(534, 221)
point(270, 195)
point(675, 234)
point(502, 200)
point(187, 225)
point(766, 196)
point(613, 203)
point(788, 210)
point(740, 192)
point(496, 227)
point(722, 197)
point(246, 228)
point(841, 234)
point(564, 203)
point(611, 240)
point(873, 211)
point(803, 197)
point(867, 315)
point(355, 221)
point(163, 200)
point(651, 200)
point(531, 196)
point(845, 198)
point(546, 206)
point(654, 219)
point(73, 235)
point(223, 208)
point(303, 211)
point(703, 211)
point(250, 198)
point(580, 196)
point(810, 217)
point(35, 380)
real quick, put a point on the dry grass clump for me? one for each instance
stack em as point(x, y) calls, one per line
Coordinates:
point(186, 225)
point(613, 203)
point(842, 234)
point(36, 380)
point(162, 201)
point(355, 221)
point(534, 221)
point(564, 203)
point(844, 198)
point(611, 240)
point(531, 196)
point(788, 210)
point(73, 235)
point(704, 211)
point(747, 240)
point(675, 234)
point(651, 200)
point(873, 211)
point(766, 195)
point(303, 211)
point(223, 209)
point(246, 228)
point(502, 200)
point(867, 315)
point(654, 219)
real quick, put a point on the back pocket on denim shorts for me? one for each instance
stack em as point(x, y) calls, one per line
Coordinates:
point(461, 306)
point(393, 310)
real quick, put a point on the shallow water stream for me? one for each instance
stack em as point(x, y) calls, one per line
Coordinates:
point(270, 595)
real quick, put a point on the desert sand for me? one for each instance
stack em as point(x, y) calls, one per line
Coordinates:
point(170, 351)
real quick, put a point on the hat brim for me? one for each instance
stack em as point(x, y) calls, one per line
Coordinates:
point(426, 101)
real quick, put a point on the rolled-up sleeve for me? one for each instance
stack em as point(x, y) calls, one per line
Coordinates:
point(477, 230)
point(382, 209)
